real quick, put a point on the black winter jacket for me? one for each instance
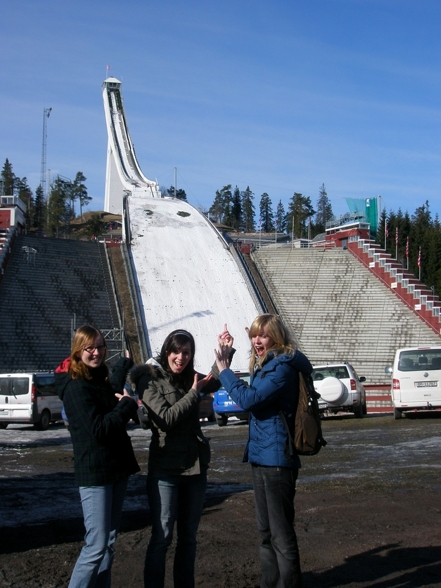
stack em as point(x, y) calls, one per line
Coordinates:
point(103, 451)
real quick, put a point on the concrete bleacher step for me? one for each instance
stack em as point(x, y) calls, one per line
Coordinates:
point(339, 308)
point(40, 297)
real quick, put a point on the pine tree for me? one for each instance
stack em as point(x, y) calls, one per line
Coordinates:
point(382, 229)
point(299, 210)
point(23, 191)
point(79, 192)
point(39, 209)
point(180, 193)
point(7, 180)
point(220, 210)
point(324, 210)
point(248, 211)
point(94, 226)
point(59, 207)
point(281, 218)
point(236, 210)
point(266, 213)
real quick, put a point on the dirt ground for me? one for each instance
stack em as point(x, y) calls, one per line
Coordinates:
point(367, 509)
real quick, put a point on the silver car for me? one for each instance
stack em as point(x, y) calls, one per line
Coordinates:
point(340, 389)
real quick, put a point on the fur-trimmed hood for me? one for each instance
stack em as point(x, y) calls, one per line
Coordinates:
point(150, 369)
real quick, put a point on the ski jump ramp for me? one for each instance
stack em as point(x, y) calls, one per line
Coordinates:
point(123, 173)
point(187, 278)
point(185, 275)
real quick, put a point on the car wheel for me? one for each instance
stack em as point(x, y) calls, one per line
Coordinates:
point(211, 417)
point(358, 411)
point(3, 425)
point(221, 420)
point(397, 414)
point(44, 422)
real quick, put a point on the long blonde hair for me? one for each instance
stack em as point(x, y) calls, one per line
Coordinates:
point(84, 336)
point(283, 342)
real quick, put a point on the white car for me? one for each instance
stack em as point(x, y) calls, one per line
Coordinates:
point(416, 380)
point(29, 398)
point(340, 389)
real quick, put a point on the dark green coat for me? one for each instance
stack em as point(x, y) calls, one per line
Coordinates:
point(178, 445)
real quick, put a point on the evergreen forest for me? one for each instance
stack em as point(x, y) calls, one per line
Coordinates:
point(414, 239)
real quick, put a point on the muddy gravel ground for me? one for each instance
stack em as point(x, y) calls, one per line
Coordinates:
point(367, 509)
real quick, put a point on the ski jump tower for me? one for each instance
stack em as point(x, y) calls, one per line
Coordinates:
point(123, 174)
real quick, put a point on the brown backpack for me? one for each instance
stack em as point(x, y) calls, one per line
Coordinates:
point(308, 438)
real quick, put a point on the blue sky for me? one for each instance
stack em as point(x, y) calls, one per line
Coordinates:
point(278, 95)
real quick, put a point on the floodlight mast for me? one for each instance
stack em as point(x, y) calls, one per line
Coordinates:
point(46, 115)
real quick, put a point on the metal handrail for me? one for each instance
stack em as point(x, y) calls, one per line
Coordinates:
point(127, 259)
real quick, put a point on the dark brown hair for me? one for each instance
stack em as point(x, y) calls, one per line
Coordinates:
point(173, 344)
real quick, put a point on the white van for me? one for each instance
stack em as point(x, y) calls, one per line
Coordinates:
point(29, 398)
point(416, 379)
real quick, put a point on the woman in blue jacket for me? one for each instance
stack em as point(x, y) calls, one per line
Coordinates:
point(274, 387)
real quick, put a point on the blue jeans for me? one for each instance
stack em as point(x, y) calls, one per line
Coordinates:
point(102, 508)
point(274, 490)
point(180, 499)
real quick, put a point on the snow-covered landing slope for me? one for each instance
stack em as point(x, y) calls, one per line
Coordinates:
point(187, 279)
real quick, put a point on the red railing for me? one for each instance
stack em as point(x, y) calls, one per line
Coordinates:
point(378, 398)
point(424, 314)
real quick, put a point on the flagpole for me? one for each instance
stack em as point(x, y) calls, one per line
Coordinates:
point(292, 232)
point(407, 253)
point(419, 264)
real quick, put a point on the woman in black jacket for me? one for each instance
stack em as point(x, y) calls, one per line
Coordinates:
point(98, 411)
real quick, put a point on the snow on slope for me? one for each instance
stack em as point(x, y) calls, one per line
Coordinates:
point(188, 279)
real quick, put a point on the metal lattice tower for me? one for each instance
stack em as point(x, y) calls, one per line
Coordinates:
point(46, 115)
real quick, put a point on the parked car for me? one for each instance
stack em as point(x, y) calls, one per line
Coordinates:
point(224, 407)
point(206, 408)
point(29, 398)
point(416, 380)
point(340, 389)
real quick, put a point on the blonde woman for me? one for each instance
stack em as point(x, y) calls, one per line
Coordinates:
point(274, 386)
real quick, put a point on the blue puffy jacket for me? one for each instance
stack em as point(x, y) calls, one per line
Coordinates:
point(273, 388)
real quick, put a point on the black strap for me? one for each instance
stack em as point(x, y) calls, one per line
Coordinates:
point(291, 450)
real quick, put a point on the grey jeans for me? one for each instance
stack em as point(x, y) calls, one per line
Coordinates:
point(274, 491)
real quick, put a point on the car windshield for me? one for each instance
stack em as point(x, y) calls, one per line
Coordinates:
point(336, 371)
point(420, 359)
point(14, 386)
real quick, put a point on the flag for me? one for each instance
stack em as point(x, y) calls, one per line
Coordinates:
point(419, 257)
point(386, 230)
point(107, 66)
point(396, 236)
point(407, 247)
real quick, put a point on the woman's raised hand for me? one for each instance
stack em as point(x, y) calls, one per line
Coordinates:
point(199, 384)
point(222, 357)
point(225, 339)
